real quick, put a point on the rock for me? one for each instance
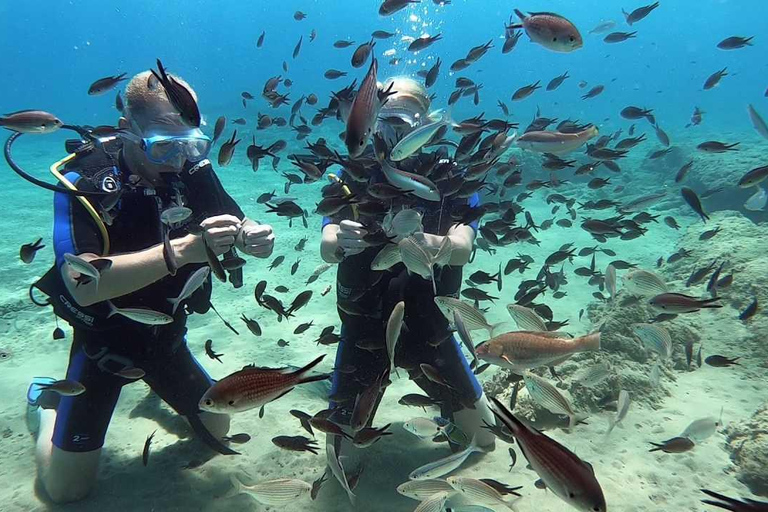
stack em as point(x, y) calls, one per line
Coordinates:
point(748, 444)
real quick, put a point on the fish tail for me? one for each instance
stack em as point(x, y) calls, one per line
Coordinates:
point(708, 303)
point(518, 13)
point(237, 487)
point(301, 371)
point(590, 341)
point(493, 327)
point(175, 304)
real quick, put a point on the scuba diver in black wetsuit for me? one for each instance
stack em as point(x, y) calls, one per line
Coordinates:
point(366, 298)
point(172, 217)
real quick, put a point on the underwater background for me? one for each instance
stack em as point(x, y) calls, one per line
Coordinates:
point(53, 51)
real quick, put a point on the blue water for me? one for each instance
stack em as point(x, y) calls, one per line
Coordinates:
point(53, 51)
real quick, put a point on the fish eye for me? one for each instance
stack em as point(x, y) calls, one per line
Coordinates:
point(572, 39)
point(571, 495)
point(231, 402)
point(208, 402)
point(554, 39)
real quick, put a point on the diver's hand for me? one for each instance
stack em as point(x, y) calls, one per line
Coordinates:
point(220, 232)
point(257, 240)
point(350, 237)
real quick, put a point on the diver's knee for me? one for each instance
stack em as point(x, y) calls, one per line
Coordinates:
point(217, 424)
point(472, 421)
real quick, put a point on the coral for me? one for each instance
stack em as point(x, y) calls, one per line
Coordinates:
point(748, 443)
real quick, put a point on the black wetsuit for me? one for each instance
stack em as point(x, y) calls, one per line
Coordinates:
point(425, 337)
point(102, 347)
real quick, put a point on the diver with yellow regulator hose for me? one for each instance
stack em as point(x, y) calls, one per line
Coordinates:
point(139, 215)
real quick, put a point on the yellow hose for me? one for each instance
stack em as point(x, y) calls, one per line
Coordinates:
point(86, 204)
point(335, 179)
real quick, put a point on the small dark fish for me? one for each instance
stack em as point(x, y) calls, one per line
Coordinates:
point(296, 444)
point(297, 48)
point(595, 91)
point(618, 37)
point(276, 262)
point(260, 40)
point(362, 53)
point(179, 96)
point(106, 84)
point(241, 438)
point(27, 251)
point(119, 102)
point(304, 419)
point(218, 129)
point(210, 352)
point(639, 13)
point(683, 172)
point(295, 267)
point(557, 81)
point(381, 34)
point(674, 445)
point(303, 327)
point(525, 91)
point(392, 6)
point(147, 445)
point(721, 361)
point(423, 42)
point(734, 505)
point(318, 484)
point(227, 150)
point(750, 311)
point(734, 43)
point(252, 325)
point(694, 202)
point(298, 15)
point(715, 78)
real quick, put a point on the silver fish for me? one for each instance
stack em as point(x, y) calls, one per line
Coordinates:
point(478, 492)
point(464, 334)
point(654, 337)
point(758, 122)
point(701, 429)
point(655, 375)
point(87, 268)
point(65, 387)
point(594, 375)
point(31, 121)
point(394, 325)
point(549, 397)
point(141, 315)
point(194, 282)
point(405, 223)
point(416, 139)
point(423, 428)
point(273, 492)
point(473, 318)
point(621, 410)
point(417, 260)
point(644, 282)
point(174, 215)
point(445, 465)
point(422, 489)
point(337, 470)
point(434, 503)
point(387, 257)
point(526, 318)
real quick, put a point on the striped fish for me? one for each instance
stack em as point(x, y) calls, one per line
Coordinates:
point(417, 260)
point(422, 489)
point(644, 282)
point(273, 492)
point(655, 338)
point(434, 503)
point(388, 257)
point(549, 397)
point(526, 318)
point(474, 319)
point(594, 375)
point(478, 492)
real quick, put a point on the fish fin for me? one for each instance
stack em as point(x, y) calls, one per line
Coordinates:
point(494, 327)
point(299, 373)
point(237, 487)
point(281, 395)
